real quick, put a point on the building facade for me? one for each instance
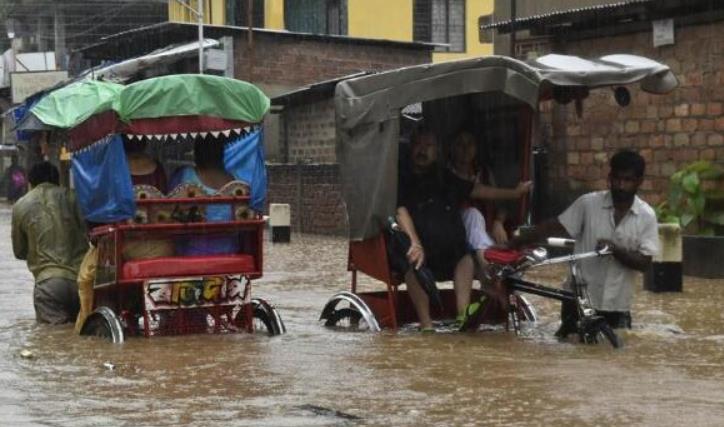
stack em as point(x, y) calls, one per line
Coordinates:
point(451, 24)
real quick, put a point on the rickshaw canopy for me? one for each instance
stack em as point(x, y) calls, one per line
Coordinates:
point(162, 109)
point(71, 105)
point(367, 111)
point(192, 95)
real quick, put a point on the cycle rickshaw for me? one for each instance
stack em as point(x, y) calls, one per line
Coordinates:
point(143, 285)
point(498, 99)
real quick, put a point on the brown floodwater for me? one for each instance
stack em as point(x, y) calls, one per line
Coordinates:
point(670, 372)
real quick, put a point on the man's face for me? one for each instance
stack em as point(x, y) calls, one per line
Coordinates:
point(424, 151)
point(623, 185)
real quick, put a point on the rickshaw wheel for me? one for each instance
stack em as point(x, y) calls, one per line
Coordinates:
point(347, 318)
point(264, 318)
point(262, 322)
point(103, 323)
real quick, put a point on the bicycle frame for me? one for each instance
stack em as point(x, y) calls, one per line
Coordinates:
point(589, 323)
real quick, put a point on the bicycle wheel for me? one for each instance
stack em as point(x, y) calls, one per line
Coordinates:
point(610, 335)
point(349, 319)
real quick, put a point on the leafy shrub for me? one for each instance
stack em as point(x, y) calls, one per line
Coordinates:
point(696, 199)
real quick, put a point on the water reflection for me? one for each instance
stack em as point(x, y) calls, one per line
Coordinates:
point(669, 372)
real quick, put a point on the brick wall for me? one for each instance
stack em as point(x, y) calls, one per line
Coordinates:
point(314, 193)
point(312, 188)
point(298, 61)
point(668, 130)
point(310, 132)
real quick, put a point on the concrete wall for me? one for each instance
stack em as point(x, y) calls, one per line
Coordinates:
point(668, 130)
point(366, 20)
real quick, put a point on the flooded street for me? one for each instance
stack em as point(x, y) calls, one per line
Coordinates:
point(670, 371)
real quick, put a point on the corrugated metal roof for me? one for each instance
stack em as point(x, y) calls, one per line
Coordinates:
point(560, 13)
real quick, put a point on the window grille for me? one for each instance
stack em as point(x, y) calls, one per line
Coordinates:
point(440, 21)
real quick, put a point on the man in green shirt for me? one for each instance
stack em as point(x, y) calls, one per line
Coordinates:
point(48, 232)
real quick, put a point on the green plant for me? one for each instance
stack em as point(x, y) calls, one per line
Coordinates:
point(696, 199)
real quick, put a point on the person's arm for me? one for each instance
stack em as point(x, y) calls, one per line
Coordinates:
point(630, 258)
point(416, 254)
point(497, 229)
point(19, 238)
point(481, 191)
point(548, 228)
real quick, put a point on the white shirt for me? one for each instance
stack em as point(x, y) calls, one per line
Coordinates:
point(589, 219)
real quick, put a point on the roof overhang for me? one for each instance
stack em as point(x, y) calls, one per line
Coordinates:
point(624, 16)
point(145, 39)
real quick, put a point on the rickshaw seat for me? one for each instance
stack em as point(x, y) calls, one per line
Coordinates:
point(502, 256)
point(188, 266)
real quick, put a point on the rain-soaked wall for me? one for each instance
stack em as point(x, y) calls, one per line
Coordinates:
point(306, 132)
point(314, 193)
point(668, 130)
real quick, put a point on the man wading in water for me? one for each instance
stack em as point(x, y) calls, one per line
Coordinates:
point(616, 218)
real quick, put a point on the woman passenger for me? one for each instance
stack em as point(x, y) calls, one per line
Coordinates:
point(144, 169)
point(208, 174)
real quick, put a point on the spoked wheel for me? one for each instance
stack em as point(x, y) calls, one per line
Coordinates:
point(348, 319)
point(103, 323)
point(596, 330)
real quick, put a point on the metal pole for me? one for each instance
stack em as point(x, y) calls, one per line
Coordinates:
point(513, 14)
point(200, 15)
point(250, 37)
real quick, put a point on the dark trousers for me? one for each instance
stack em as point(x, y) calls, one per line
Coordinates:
point(569, 317)
point(56, 301)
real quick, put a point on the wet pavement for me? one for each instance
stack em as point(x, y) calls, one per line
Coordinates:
point(670, 372)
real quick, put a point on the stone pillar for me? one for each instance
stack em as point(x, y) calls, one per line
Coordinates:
point(280, 222)
point(665, 273)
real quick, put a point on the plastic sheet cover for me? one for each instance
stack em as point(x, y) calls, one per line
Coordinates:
point(244, 159)
point(103, 183)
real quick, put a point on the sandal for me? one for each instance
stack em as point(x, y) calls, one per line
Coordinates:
point(469, 319)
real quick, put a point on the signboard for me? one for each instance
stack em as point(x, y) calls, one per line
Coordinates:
point(193, 292)
point(663, 32)
point(215, 59)
point(25, 84)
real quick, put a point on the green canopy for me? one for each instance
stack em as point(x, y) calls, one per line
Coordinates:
point(71, 105)
point(192, 95)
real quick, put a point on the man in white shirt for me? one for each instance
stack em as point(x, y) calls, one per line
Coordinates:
point(617, 218)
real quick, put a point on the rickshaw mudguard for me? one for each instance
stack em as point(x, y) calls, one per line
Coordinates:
point(356, 302)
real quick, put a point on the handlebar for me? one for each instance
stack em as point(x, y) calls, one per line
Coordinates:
point(560, 243)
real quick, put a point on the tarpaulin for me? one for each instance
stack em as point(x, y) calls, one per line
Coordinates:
point(244, 159)
point(103, 183)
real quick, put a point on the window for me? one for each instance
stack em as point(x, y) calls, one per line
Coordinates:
point(440, 21)
point(236, 13)
point(316, 16)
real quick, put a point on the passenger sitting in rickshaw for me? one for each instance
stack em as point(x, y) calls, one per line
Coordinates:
point(145, 170)
point(429, 198)
point(209, 176)
point(464, 164)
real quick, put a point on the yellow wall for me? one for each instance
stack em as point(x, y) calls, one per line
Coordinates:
point(374, 19)
point(214, 11)
point(274, 14)
point(380, 19)
point(474, 9)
